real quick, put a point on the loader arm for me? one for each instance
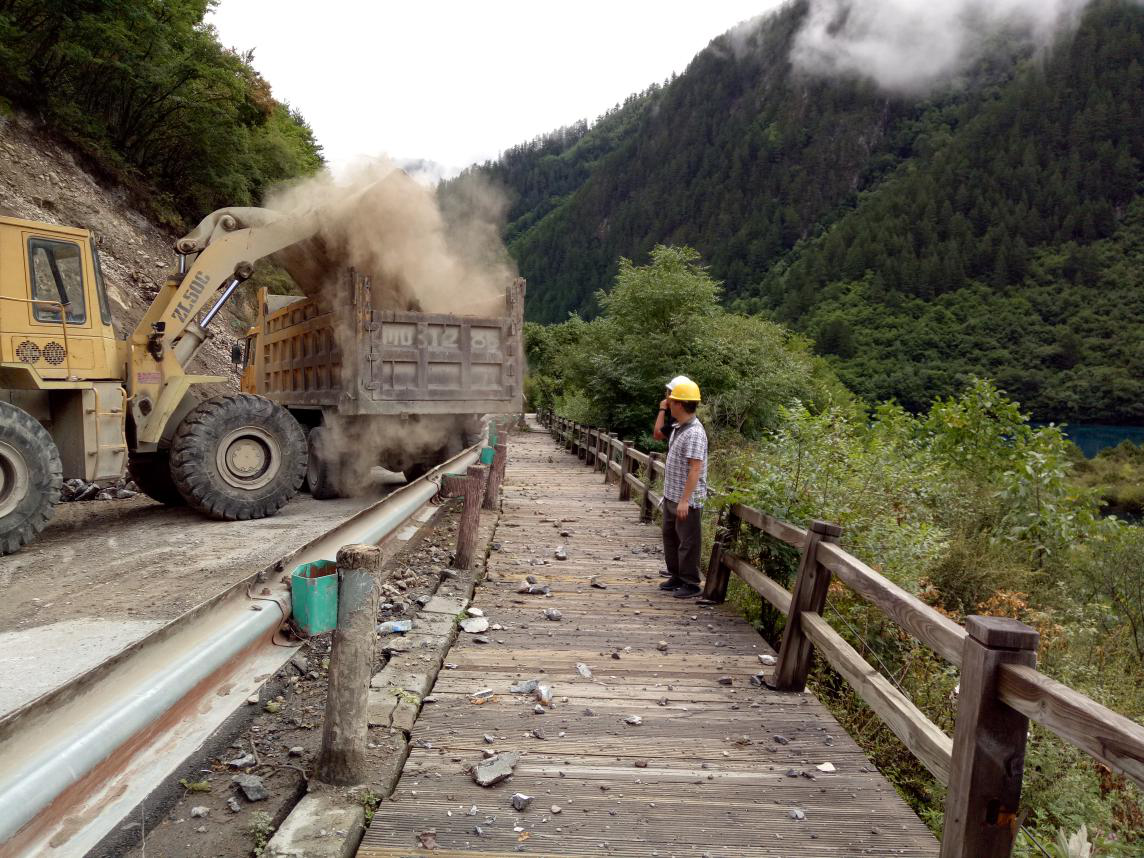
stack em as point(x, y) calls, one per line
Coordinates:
point(221, 252)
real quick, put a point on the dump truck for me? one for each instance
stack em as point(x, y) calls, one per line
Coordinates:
point(77, 402)
point(397, 388)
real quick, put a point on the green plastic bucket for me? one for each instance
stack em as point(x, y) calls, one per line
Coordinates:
point(314, 593)
point(487, 455)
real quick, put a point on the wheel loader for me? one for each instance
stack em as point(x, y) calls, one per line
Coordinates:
point(76, 401)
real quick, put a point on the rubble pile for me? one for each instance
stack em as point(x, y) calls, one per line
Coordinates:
point(81, 490)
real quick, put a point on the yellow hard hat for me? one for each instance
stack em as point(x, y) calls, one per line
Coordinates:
point(685, 391)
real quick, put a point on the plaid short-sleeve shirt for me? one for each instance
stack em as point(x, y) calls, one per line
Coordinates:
point(687, 441)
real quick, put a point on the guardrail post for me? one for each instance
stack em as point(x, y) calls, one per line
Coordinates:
point(496, 476)
point(582, 443)
point(589, 447)
point(988, 743)
point(599, 447)
point(809, 595)
point(342, 760)
point(718, 575)
point(470, 486)
point(570, 436)
point(609, 447)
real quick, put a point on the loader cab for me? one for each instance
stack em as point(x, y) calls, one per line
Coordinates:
point(55, 319)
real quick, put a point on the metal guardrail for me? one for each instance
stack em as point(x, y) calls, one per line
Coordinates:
point(76, 760)
point(1001, 689)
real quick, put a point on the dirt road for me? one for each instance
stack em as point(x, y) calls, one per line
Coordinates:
point(103, 574)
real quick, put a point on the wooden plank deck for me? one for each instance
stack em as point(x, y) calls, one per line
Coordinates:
point(713, 769)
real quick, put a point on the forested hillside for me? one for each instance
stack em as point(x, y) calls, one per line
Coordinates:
point(145, 91)
point(994, 228)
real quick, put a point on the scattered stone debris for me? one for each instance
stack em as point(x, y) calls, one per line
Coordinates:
point(543, 694)
point(526, 687)
point(481, 639)
point(534, 589)
point(520, 801)
point(725, 680)
point(661, 646)
point(428, 839)
point(782, 740)
point(233, 804)
point(538, 709)
point(597, 583)
point(553, 614)
point(797, 813)
point(296, 751)
point(560, 553)
point(475, 625)
point(768, 660)
point(583, 670)
point(494, 770)
point(200, 811)
point(634, 720)
point(252, 787)
point(81, 490)
point(474, 612)
point(641, 764)
point(489, 739)
point(242, 762)
point(826, 767)
point(759, 680)
point(556, 808)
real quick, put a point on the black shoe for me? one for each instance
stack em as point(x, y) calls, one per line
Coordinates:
point(686, 591)
point(663, 573)
point(670, 585)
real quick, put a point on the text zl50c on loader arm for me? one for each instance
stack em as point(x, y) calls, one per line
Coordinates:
point(75, 401)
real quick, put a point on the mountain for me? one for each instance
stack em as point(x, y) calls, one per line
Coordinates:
point(992, 228)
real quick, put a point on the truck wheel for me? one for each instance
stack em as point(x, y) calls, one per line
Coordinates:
point(31, 477)
point(324, 472)
point(152, 473)
point(238, 456)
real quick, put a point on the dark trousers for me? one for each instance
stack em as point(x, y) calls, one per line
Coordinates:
point(682, 542)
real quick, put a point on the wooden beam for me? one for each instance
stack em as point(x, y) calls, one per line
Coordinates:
point(642, 458)
point(925, 739)
point(981, 807)
point(625, 468)
point(758, 581)
point(634, 482)
point(1098, 731)
point(935, 630)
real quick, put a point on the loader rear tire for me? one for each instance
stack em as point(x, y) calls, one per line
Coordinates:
point(238, 457)
point(31, 478)
point(152, 473)
point(325, 465)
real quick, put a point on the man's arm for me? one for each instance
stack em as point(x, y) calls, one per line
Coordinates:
point(657, 430)
point(694, 468)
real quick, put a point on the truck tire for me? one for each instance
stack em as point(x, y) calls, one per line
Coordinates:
point(238, 457)
point(152, 473)
point(324, 470)
point(31, 477)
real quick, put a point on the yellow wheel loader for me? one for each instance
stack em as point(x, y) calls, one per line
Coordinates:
point(75, 401)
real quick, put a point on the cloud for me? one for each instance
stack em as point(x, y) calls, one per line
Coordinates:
point(912, 46)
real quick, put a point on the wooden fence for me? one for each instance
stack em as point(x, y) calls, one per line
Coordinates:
point(1001, 690)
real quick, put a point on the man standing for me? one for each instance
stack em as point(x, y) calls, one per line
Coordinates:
point(684, 488)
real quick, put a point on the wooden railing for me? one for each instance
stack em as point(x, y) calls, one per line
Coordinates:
point(1000, 690)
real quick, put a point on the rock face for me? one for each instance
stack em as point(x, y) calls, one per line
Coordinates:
point(494, 770)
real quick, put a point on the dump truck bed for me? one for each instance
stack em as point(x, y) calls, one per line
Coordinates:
point(387, 362)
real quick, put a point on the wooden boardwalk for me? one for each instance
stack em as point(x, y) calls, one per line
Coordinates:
point(713, 769)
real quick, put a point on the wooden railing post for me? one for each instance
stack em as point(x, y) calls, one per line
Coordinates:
point(609, 446)
point(496, 476)
point(582, 443)
point(590, 447)
point(988, 743)
point(570, 439)
point(718, 575)
point(599, 449)
point(809, 596)
point(649, 481)
point(625, 469)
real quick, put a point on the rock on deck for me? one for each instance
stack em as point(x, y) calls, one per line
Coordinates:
point(715, 766)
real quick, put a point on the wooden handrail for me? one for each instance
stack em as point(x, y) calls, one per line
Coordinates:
point(934, 629)
point(1108, 736)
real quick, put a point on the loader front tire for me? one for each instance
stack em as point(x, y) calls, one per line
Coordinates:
point(152, 473)
point(31, 478)
point(238, 457)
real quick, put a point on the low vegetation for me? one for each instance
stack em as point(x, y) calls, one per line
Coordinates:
point(966, 504)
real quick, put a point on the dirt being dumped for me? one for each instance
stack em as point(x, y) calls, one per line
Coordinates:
point(384, 224)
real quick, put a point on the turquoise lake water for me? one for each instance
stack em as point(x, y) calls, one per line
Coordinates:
point(1094, 437)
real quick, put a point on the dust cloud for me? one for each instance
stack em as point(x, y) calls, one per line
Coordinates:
point(387, 226)
point(910, 46)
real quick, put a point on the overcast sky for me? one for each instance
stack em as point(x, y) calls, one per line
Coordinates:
point(457, 82)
